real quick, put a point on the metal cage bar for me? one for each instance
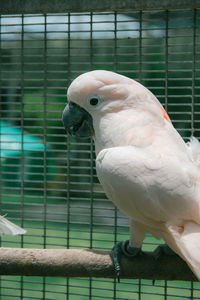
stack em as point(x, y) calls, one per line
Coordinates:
point(60, 6)
point(51, 187)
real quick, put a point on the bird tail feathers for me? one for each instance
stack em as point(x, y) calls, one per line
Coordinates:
point(185, 241)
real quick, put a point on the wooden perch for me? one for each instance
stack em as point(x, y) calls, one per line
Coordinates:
point(90, 263)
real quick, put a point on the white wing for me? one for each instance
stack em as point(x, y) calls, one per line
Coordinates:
point(9, 228)
point(149, 187)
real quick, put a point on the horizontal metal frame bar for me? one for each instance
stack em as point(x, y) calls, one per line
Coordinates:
point(60, 6)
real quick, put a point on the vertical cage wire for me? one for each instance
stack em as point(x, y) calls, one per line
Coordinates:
point(45, 142)
point(166, 87)
point(116, 211)
point(91, 158)
point(68, 162)
point(48, 180)
point(0, 139)
point(22, 144)
point(193, 70)
point(166, 61)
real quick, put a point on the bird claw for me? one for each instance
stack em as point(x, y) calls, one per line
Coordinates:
point(118, 250)
point(116, 254)
point(163, 249)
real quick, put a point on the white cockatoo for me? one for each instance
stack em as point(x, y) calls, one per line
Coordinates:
point(9, 228)
point(142, 162)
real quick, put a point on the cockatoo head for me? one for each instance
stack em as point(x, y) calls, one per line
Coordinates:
point(100, 99)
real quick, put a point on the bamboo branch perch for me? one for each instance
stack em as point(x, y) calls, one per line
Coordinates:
point(90, 263)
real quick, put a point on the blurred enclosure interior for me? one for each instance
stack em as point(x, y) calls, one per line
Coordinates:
point(48, 180)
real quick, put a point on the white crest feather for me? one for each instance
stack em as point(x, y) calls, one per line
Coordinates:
point(9, 228)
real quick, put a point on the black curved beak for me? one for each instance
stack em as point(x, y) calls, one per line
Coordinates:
point(77, 121)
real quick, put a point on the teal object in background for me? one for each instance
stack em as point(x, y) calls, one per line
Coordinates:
point(23, 157)
point(13, 141)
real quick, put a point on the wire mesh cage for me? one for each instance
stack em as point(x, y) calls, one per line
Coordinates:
point(48, 179)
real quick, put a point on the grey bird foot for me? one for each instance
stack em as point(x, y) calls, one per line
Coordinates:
point(163, 249)
point(160, 250)
point(122, 248)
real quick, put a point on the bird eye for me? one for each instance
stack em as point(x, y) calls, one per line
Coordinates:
point(94, 101)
